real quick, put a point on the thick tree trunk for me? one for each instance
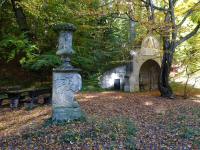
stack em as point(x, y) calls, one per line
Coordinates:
point(21, 18)
point(164, 86)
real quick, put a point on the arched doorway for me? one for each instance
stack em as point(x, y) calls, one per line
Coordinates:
point(149, 76)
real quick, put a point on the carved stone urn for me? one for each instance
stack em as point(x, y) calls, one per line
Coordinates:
point(66, 79)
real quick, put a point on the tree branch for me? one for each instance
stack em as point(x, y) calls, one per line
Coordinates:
point(152, 9)
point(189, 12)
point(174, 2)
point(188, 35)
point(155, 7)
point(174, 31)
point(184, 18)
point(130, 17)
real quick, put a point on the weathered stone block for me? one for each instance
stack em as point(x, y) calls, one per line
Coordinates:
point(65, 85)
point(66, 114)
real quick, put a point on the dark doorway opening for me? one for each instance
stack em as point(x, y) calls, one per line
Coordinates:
point(149, 76)
point(117, 84)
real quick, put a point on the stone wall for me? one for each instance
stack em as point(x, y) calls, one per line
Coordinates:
point(129, 76)
point(108, 78)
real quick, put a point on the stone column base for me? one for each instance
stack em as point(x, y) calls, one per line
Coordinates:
point(66, 113)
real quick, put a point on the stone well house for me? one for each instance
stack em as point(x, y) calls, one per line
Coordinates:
point(141, 74)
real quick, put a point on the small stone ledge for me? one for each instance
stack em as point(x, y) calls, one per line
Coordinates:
point(67, 114)
point(64, 27)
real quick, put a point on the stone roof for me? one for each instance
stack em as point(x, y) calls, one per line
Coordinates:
point(150, 42)
point(150, 45)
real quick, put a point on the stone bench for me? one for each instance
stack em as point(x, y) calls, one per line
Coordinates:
point(4, 89)
point(8, 88)
point(16, 95)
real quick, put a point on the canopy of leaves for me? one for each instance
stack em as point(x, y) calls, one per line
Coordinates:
point(103, 36)
point(100, 41)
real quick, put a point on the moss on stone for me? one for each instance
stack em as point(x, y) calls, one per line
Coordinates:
point(64, 27)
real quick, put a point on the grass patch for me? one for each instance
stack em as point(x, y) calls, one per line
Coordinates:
point(50, 122)
point(181, 125)
point(196, 112)
point(116, 132)
point(92, 88)
point(111, 130)
point(34, 134)
point(189, 132)
point(178, 88)
point(181, 118)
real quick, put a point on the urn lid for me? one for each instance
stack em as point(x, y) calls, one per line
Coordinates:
point(64, 27)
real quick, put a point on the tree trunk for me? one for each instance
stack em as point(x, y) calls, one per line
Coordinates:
point(185, 95)
point(21, 18)
point(164, 86)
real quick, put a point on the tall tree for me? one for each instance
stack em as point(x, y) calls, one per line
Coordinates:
point(171, 38)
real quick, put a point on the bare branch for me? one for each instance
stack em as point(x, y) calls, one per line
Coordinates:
point(131, 18)
point(174, 31)
point(188, 35)
point(155, 7)
point(152, 10)
point(184, 18)
point(174, 2)
point(188, 13)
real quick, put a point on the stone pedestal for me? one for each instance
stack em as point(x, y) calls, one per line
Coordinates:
point(65, 84)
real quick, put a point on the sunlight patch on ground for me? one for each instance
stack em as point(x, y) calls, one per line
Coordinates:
point(86, 98)
point(83, 100)
point(20, 120)
point(197, 101)
point(90, 96)
point(148, 103)
point(198, 95)
point(118, 97)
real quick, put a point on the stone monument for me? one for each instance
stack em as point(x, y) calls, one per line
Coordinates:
point(66, 79)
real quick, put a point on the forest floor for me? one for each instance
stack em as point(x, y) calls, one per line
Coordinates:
point(115, 120)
